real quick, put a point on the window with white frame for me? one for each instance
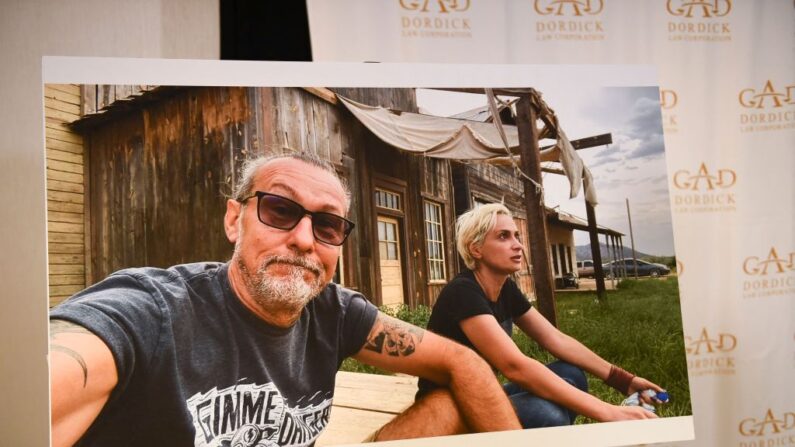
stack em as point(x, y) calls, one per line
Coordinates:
point(387, 199)
point(435, 240)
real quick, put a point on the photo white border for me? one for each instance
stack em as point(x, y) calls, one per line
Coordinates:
point(131, 71)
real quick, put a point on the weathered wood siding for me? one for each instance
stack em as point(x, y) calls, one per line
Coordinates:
point(65, 192)
point(424, 179)
point(437, 187)
point(159, 175)
point(96, 97)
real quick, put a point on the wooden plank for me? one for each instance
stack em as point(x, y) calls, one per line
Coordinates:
point(73, 89)
point(62, 96)
point(67, 280)
point(53, 154)
point(54, 105)
point(63, 135)
point(68, 197)
point(63, 227)
point(58, 115)
point(105, 95)
point(66, 146)
point(54, 205)
point(67, 269)
point(65, 249)
point(56, 185)
point(57, 216)
point(124, 91)
point(87, 247)
point(56, 300)
point(323, 93)
point(351, 426)
point(57, 165)
point(66, 290)
point(56, 124)
point(352, 380)
point(62, 176)
point(88, 93)
point(58, 258)
point(384, 400)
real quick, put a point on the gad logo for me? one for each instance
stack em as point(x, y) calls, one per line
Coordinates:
point(767, 108)
point(435, 19)
point(773, 429)
point(569, 20)
point(710, 355)
point(698, 20)
point(704, 191)
point(771, 275)
point(668, 101)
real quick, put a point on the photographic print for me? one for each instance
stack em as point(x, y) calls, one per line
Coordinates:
point(527, 222)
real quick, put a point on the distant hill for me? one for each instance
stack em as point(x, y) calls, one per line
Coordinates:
point(584, 252)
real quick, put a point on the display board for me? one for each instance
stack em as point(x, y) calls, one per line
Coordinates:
point(728, 105)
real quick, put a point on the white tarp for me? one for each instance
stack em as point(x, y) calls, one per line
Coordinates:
point(457, 139)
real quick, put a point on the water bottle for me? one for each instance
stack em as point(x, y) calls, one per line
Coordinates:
point(634, 399)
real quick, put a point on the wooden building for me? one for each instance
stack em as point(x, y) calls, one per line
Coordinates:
point(160, 163)
point(65, 192)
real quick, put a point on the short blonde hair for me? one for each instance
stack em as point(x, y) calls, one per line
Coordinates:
point(472, 227)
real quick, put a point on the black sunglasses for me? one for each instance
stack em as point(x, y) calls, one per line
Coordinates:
point(284, 214)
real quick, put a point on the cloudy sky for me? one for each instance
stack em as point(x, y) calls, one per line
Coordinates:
point(632, 167)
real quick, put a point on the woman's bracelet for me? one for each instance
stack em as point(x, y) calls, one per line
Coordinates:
point(619, 379)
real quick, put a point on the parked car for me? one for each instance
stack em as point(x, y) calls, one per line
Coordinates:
point(585, 268)
point(644, 268)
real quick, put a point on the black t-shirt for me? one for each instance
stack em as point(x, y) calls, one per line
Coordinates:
point(463, 298)
point(196, 367)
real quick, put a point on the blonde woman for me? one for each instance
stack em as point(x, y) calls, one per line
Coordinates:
point(478, 309)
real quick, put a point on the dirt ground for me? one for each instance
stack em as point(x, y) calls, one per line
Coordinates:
point(588, 284)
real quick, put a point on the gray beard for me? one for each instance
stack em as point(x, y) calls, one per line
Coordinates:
point(289, 293)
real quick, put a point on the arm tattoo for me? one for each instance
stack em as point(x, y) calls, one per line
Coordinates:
point(65, 327)
point(393, 337)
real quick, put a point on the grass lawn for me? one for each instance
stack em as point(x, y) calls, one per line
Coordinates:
point(638, 327)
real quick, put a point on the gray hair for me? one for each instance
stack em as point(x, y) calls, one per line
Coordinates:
point(245, 185)
point(472, 227)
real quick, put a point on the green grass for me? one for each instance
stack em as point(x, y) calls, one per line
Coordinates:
point(637, 327)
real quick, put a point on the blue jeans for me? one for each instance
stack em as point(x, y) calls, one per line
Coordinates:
point(535, 412)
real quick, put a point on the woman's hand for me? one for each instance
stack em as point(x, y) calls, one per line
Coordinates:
point(621, 413)
point(639, 384)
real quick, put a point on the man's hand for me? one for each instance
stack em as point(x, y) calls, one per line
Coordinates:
point(82, 376)
point(477, 396)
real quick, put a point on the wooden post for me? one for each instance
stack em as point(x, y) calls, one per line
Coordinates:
point(621, 248)
point(536, 214)
point(632, 239)
point(598, 272)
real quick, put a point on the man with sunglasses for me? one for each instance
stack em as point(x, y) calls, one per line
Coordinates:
point(245, 353)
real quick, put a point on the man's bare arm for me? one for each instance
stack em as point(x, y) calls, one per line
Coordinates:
point(82, 376)
point(401, 347)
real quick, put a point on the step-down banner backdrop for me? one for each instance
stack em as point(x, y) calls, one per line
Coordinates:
point(727, 92)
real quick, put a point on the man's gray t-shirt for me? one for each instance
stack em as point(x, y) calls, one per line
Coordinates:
point(196, 367)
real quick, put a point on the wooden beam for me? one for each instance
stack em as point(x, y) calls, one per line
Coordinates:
point(553, 171)
point(536, 214)
point(596, 254)
point(323, 93)
point(587, 142)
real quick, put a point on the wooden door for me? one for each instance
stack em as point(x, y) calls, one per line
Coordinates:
point(389, 260)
